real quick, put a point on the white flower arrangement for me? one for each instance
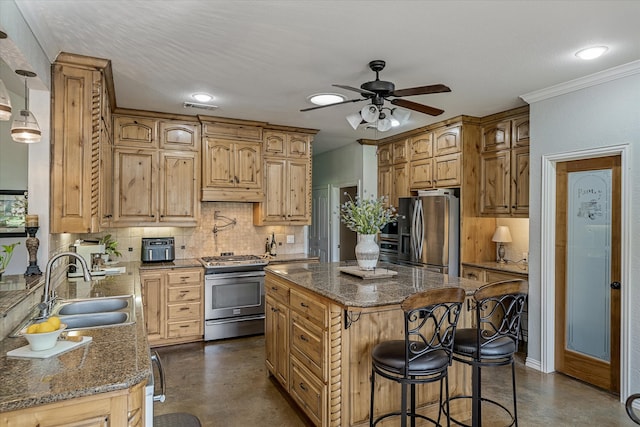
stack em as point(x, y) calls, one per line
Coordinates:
point(366, 215)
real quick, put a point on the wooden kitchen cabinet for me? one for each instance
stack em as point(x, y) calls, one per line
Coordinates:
point(287, 180)
point(297, 346)
point(173, 303)
point(117, 408)
point(504, 168)
point(81, 184)
point(393, 171)
point(156, 186)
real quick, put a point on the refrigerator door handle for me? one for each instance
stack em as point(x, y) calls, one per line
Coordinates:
point(417, 227)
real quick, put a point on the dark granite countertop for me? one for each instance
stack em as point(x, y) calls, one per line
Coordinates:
point(349, 291)
point(117, 357)
point(508, 267)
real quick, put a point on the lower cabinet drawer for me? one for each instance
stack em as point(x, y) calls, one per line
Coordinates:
point(308, 391)
point(183, 293)
point(184, 329)
point(186, 311)
point(307, 344)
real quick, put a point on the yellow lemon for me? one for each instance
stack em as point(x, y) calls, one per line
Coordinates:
point(45, 327)
point(54, 321)
point(33, 329)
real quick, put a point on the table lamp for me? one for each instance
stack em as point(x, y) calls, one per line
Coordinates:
point(502, 235)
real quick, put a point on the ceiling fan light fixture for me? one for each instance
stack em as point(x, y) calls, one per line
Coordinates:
point(370, 113)
point(202, 97)
point(5, 103)
point(591, 52)
point(25, 127)
point(354, 120)
point(326, 98)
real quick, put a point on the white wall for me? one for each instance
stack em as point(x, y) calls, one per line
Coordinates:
point(607, 114)
point(350, 164)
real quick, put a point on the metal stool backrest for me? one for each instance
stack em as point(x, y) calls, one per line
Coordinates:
point(430, 320)
point(499, 307)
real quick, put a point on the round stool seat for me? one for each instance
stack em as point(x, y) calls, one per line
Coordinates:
point(176, 419)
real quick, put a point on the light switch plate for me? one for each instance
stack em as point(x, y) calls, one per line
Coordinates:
point(291, 238)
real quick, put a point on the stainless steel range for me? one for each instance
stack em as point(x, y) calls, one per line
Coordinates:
point(234, 296)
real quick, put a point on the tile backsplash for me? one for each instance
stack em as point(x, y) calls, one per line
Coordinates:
point(242, 238)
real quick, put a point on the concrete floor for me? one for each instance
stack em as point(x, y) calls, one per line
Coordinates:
point(225, 383)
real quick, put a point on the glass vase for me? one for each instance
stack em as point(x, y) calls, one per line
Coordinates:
point(367, 251)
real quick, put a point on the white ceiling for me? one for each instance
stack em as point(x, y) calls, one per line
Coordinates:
point(261, 59)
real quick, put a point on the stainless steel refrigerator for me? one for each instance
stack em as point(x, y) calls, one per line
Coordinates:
point(429, 231)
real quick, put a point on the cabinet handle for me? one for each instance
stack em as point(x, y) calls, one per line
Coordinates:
point(304, 305)
point(303, 338)
point(273, 288)
point(275, 310)
point(184, 308)
point(302, 387)
point(184, 326)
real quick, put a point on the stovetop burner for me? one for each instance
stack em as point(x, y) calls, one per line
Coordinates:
point(225, 263)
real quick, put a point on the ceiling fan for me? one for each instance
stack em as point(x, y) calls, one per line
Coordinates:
point(378, 91)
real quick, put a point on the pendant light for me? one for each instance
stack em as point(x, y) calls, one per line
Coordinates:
point(25, 127)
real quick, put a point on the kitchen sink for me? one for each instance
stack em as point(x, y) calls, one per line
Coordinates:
point(93, 305)
point(95, 312)
point(95, 320)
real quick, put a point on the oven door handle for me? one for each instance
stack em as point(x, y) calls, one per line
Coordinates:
point(155, 359)
point(213, 276)
point(235, 320)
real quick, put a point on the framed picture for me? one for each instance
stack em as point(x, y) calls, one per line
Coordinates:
point(13, 208)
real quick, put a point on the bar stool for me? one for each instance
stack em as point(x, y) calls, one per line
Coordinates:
point(430, 320)
point(493, 342)
point(176, 419)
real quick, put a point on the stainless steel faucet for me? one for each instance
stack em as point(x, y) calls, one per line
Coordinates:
point(49, 295)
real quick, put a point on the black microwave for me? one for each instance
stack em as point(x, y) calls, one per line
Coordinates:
point(390, 231)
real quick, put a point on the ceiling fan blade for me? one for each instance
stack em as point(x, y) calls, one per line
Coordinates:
point(355, 89)
point(432, 111)
point(421, 90)
point(330, 105)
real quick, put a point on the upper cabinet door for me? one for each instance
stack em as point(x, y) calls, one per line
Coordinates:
point(135, 132)
point(400, 151)
point(218, 163)
point(179, 187)
point(248, 165)
point(496, 136)
point(179, 135)
point(447, 141)
point(520, 132)
point(385, 155)
point(298, 145)
point(421, 146)
point(274, 143)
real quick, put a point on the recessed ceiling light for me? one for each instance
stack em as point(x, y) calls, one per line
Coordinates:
point(591, 52)
point(326, 98)
point(202, 97)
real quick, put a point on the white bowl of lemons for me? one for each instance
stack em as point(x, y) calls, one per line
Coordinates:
point(44, 335)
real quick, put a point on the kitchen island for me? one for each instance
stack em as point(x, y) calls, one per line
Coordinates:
point(98, 383)
point(322, 325)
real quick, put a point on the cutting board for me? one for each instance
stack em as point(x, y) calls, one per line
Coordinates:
point(378, 273)
point(61, 346)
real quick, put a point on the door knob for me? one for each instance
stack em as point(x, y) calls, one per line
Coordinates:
point(615, 285)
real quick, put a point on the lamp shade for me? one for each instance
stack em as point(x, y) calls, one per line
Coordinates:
point(5, 103)
point(354, 120)
point(384, 125)
point(25, 128)
point(502, 234)
point(370, 113)
point(399, 116)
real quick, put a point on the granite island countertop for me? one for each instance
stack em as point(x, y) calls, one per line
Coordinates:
point(116, 358)
point(349, 291)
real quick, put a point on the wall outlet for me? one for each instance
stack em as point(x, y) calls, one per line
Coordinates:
point(291, 238)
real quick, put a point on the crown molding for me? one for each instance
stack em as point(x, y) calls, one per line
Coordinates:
point(605, 76)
